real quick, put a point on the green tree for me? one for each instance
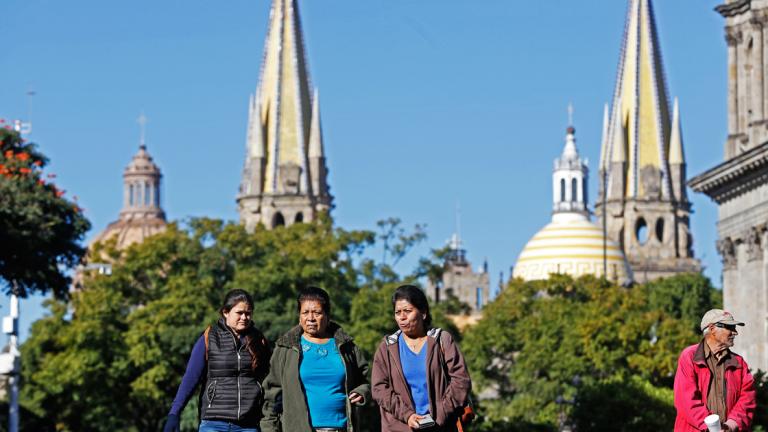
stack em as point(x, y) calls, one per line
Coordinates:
point(40, 230)
point(120, 347)
point(577, 342)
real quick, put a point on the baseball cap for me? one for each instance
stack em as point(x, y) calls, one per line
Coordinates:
point(718, 316)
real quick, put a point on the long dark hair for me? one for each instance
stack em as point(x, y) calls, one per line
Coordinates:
point(415, 296)
point(255, 342)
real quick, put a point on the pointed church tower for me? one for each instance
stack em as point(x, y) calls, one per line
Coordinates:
point(284, 177)
point(642, 166)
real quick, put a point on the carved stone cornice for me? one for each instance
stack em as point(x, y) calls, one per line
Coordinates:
point(733, 35)
point(727, 250)
point(733, 177)
point(734, 8)
point(752, 239)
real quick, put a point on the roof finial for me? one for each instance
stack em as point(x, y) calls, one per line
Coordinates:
point(570, 114)
point(142, 121)
point(456, 239)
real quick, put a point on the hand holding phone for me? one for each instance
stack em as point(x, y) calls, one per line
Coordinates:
point(426, 421)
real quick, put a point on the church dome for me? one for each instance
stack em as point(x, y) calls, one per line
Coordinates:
point(574, 245)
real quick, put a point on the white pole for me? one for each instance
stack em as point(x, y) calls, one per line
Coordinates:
point(13, 380)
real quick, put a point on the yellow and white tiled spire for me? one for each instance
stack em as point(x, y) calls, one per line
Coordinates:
point(640, 128)
point(284, 178)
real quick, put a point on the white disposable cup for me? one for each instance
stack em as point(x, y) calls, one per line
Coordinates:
point(713, 423)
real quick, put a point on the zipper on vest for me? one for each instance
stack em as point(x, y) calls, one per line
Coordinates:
point(211, 393)
point(237, 351)
point(238, 384)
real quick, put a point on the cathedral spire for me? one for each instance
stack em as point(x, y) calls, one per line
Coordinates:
point(643, 203)
point(284, 175)
point(676, 154)
point(316, 131)
point(641, 107)
point(604, 138)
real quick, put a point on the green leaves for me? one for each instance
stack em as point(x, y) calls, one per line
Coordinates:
point(40, 230)
point(601, 348)
point(121, 346)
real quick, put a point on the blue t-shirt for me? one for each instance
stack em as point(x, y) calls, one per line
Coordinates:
point(415, 371)
point(322, 373)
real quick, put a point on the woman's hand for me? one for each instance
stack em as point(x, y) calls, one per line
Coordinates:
point(413, 421)
point(355, 399)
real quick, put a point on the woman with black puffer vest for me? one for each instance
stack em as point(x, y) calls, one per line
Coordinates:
point(230, 359)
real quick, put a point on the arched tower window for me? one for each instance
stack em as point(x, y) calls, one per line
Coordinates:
point(130, 195)
point(146, 194)
point(278, 220)
point(562, 190)
point(299, 218)
point(584, 190)
point(574, 190)
point(641, 231)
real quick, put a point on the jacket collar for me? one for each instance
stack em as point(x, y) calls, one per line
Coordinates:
point(433, 333)
point(700, 358)
point(292, 338)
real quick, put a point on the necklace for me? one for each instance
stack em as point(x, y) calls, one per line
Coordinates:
point(414, 344)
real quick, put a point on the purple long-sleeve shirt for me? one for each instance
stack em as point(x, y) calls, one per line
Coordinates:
point(195, 368)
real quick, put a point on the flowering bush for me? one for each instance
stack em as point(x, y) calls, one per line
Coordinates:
point(40, 229)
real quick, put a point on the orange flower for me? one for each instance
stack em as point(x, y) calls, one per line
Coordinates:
point(59, 193)
point(9, 154)
point(22, 157)
point(41, 182)
point(25, 170)
point(38, 163)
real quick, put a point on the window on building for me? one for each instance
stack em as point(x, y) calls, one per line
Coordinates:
point(278, 220)
point(574, 190)
point(478, 298)
point(562, 190)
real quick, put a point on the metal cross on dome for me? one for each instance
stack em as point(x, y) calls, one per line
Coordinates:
point(142, 121)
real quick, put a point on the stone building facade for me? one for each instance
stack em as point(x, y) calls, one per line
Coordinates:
point(642, 197)
point(285, 175)
point(739, 185)
point(459, 280)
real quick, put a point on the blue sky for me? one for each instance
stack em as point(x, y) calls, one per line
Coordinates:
point(425, 103)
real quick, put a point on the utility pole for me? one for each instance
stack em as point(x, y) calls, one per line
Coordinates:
point(605, 222)
point(10, 362)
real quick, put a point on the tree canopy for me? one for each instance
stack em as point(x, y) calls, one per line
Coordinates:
point(40, 230)
point(584, 351)
point(121, 345)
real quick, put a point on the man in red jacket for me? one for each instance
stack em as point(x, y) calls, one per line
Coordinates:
point(711, 379)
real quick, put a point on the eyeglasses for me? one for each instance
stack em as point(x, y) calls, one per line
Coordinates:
point(731, 327)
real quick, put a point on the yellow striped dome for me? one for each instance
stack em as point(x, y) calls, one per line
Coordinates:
point(572, 245)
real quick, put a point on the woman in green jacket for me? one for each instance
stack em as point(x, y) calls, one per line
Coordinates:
point(317, 373)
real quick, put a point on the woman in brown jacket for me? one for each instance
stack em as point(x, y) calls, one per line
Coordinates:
point(420, 379)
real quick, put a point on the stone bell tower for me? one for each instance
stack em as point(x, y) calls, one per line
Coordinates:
point(642, 164)
point(739, 184)
point(284, 177)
